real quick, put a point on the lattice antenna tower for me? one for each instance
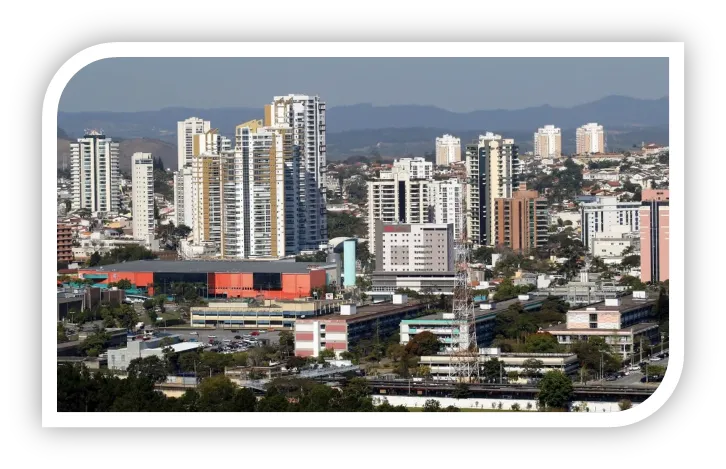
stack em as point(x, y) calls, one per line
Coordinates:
point(464, 366)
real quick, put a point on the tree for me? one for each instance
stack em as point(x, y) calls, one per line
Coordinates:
point(94, 343)
point(124, 284)
point(395, 352)
point(461, 391)
point(62, 333)
point(286, 343)
point(152, 368)
point(630, 262)
point(94, 260)
point(492, 370)
point(219, 394)
point(531, 367)
point(432, 405)
point(423, 344)
point(625, 404)
point(515, 407)
point(541, 343)
point(555, 390)
point(327, 354)
point(294, 362)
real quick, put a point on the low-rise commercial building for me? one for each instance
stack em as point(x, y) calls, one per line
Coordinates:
point(484, 322)
point(341, 332)
point(267, 314)
point(119, 359)
point(385, 284)
point(622, 322)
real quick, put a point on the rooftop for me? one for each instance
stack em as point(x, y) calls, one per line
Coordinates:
point(626, 304)
point(499, 307)
point(182, 346)
point(367, 312)
point(197, 266)
point(635, 329)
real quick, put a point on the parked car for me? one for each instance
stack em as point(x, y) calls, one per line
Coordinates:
point(237, 337)
point(655, 359)
point(254, 333)
point(611, 378)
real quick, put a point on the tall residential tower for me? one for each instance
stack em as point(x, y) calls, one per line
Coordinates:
point(142, 195)
point(548, 142)
point(95, 174)
point(590, 138)
point(448, 150)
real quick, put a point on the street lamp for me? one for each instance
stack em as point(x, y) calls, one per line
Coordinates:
point(601, 366)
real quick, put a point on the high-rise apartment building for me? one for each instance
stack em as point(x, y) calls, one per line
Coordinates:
point(492, 165)
point(427, 247)
point(397, 197)
point(610, 218)
point(210, 173)
point(305, 115)
point(654, 235)
point(521, 220)
point(95, 174)
point(590, 138)
point(142, 196)
point(448, 150)
point(417, 168)
point(548, 142)
point(183, 196)
point(187, 145)
point(448, 201)
point(64, 240)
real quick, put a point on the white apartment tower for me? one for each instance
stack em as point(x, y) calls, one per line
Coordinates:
point(609, 218)
point(548, 142)
point(186, 143)
point(417, 167)
point(142, 196)
point(448, 150)
point(492, 165)
point(590, 138)
point(95, 174)
point(305, 115)
point(183, 196)
point(448, 200)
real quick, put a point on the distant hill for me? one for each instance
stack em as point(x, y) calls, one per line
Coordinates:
point(127, 147)
point(610, 111)
point(394, 130)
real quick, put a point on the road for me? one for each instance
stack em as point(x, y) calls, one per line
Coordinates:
point(634, 376)
point(204, 334)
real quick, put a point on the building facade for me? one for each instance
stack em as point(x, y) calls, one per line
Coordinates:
point(492, 165)
point(142, 195)
point(305, 115)
point(608, 217)
point(548, 142)
point(521, 221)
point(64, 237)
point(590, 138)
point(423, 247)
point(186, 130)
point(654, 235)
point(183, 196)
point(448, 203)
point(448, 150)
point(95, 174)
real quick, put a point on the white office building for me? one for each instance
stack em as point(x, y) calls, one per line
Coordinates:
point(421, 247)
point(95, 175)
point(608, 218)
point(590, 138)
point(305, 115)
point(186, 130)
point(142, 195)
point(492, 165)
point(548, 142)
point(448, 150)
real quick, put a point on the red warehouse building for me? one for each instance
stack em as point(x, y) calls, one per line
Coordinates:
point(220, 279)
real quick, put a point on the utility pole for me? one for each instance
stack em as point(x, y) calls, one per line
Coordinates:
point(601, 366)
point(641, 350)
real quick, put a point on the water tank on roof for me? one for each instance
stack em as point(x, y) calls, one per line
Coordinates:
point(612, 301)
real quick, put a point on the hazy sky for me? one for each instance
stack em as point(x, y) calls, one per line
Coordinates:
point(461, 84)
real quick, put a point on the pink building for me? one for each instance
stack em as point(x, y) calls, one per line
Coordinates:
point(654, 235)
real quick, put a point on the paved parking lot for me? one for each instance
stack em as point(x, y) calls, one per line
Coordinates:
point(273, 337)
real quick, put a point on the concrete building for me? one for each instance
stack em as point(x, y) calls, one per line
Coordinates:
point(621, 322)
point(186, 130)
point(142, 195)
point(654, 235)
point(448, 150)
point(417, 167)
point(590, 138)
point(119, 359)
point(612, 250)
point(511, 362)
point(548, 142)
point(384, 284)
point(422, 247)
point(220, 279)
point(64, 243)
point(183, 197)
point(448, 203)
point(521, 221)
point(265, 314)
point(441, 324)
point(95, 176)
point(607, 217)
point(492, 165)
point(305, 115)
point(210, 175)
point(396, 197)
point(342, 332)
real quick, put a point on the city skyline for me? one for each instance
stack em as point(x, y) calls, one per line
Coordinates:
point(144, 84)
